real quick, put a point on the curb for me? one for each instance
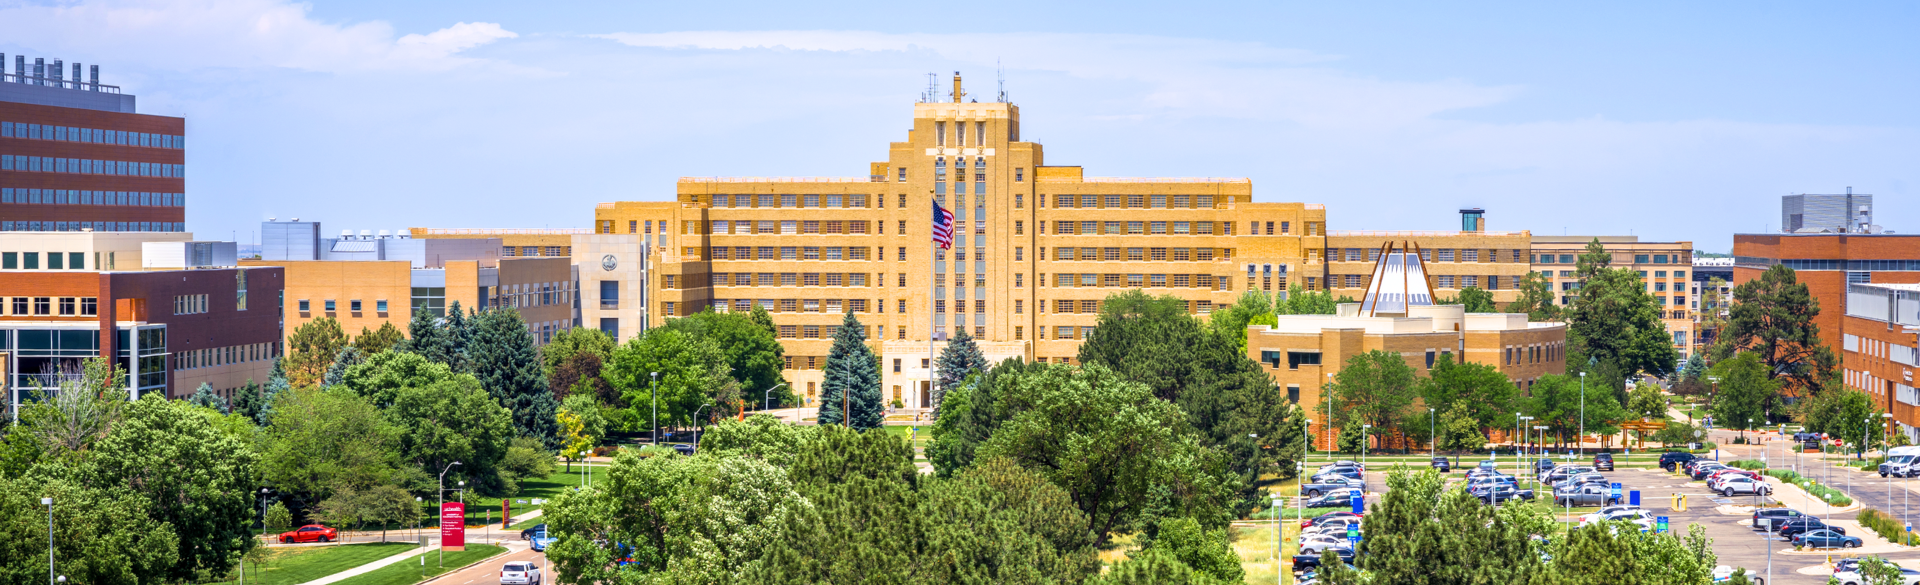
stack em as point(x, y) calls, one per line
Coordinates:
point(505, 550)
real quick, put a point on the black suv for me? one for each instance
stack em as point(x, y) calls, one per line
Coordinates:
point(1603, 462)
point(1442, 464)
point(1542, 466)
point(1669, 460)
point(1768, 518)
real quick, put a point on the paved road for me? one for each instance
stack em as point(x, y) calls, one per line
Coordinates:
point(488, 573)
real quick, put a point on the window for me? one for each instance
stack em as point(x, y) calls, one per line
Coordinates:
point(380, 306)
point(1295, 359)
point(306, 306)
point(1640, 258)
point(354, 305)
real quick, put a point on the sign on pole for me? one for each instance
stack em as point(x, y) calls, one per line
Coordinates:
point(1353, 533)
point(453, 526)
point(1660, 524)
point(1616, 491)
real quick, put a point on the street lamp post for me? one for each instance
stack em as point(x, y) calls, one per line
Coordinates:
point(1583, 415)
point(442, 490)
point(696, 425)
point(48, 502)
point(653, 388)
point(1364, 439)
point(769, 399)
point(1304, 424)
point(1433, 440)
point(1276, 538)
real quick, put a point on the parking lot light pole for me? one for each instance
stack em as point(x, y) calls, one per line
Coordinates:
point(653, 388)
point(1277, 528)
point(1433, 440)
point(1363, 449)
point(1581, 440)
point(769, 399)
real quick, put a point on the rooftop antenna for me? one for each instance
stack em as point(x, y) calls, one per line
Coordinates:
point(932, 80)
point(1001, 73)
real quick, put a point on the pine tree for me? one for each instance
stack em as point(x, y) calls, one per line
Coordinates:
point(372, 341)
point(348, 357)
point(204, 396)
point(310, 350)
point(508, 366)
point(423, 335)
point(247, 400)
point(960, 359)
point(276, 385)
point(458, 337)
point(852, 379)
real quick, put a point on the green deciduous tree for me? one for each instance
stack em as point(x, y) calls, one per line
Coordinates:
point(1111, 445)
point(319, 440)
point(1458, 430)
point(373, 341)
point(997, 522)
point(311, 349)
point(1773, 316)
point(454, 420)
point(685, 365)
point(1842, 414)
point(501, 355)
point(1614, 321)
point(1646, 401)
point(958, 360)
point(573, 361)
point(1230, 322)
point(1473, 299)
point(196, 479)
point(106, 535)
point(1482, 390)
point(1209, 552)
point(751, 351)
point(1535, 299)
point(381, 377)
point(1745, 392)
point(277, 518)
point(1375, 388)
point(1302, 302)
point(850, 395)
point(1423, 532)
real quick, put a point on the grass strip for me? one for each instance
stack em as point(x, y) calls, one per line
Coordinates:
point(288, 565)
point(410, 571)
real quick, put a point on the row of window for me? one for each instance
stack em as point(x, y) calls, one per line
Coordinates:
point(189, 304)
point(1130, 201)
point(1207, 281)
point(1131, 228)
point(87, 166)
point(51, 306)
point(782, 227)
point(530, 295)
point(536, 251)
point(78, 197)
point(773, 279)
point(1431, 255)
point(1133, 254)
point(222, 356)
point(98, 226)
point(332, 306)
point(1826, 264)
point(90, 135)
point(633, 226)
point(829, 201)
point(1534, 354)
point(791, 253)
point(1637, 259)
point(54, 260)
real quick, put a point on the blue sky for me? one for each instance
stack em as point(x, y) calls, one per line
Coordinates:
point(1669, 122)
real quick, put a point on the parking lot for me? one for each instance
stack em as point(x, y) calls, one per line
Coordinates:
point(1736, 543)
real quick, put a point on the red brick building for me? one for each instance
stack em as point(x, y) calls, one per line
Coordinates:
point(74, 156)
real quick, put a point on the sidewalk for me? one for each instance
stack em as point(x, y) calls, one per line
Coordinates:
point(511, 546)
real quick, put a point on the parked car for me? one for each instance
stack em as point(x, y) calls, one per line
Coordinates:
point(1441, 464)
point(683, 448)
point(309, 533)
point(1327, 516)
point(1853, 577)
point(1901, 462)
point(1805, 524)
point(1334, 528)
point(520, 573)
point(1702, 470)
point(1542, 466)
point(1302, 563)
point(1477, 473)
point(1769, 519)
point(1315, 544)
point(1603, 461)
point(1338, 498)
point(1581, 479)
point(1496, 493)
point(1628, 513)
point(1584, 495)
point(528, 533)
point(1744, 485)
point(1560, 474)
point(1349, 472)
point(1333, 483)
point(1826, 538)
point(1669, 460)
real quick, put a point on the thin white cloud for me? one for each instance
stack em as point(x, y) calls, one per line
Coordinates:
point(1182, 76)
point(188, 34)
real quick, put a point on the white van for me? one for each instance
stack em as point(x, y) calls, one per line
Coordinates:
point(1901, 462)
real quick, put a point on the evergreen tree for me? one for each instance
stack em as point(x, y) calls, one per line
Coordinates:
point(310, 350)
point(508, 366)
point(204, 396)
point(852, 380)
point(961, 358)
point(247, 401)
point(348, 357)
point(424, 335)
point(1536, 299)
point(277, 384)
point(1774, 316)
point(378, 340)
point(459, 332)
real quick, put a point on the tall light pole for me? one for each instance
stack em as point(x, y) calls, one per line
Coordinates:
point(1304, 425)
point(1327, 397)
point(48, 502)
point(769, 399)
point(1582, 439)
point(1276, 538)
point(654, 389)
point(1364, 436)
point(1433, 439)
point(442, 490)
point(697, 425)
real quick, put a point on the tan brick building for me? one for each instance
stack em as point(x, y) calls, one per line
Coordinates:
point(1036, 246)
point(1491, 261)
point(1664, 266)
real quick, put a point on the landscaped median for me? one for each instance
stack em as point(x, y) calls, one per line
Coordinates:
point(1886, 526)
point(1815, 491)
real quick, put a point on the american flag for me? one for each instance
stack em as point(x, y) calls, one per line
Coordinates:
point(942, 226)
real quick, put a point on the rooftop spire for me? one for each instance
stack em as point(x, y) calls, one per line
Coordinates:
point(957, 94)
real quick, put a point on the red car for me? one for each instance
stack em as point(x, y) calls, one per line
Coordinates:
point(309, 533)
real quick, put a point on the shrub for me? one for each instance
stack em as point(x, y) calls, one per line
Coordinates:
point(1812, 487)
point(606, 450)
point(1748, 464)
point(1880, 523)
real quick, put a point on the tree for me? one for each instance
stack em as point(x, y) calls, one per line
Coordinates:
point(381, 377)
point(1773, 316)
point(1154, 567)
point(195, 479)
point(106, 534)
point(1298, 302)
point(1745, 392)
point(574, 358)
point(1115, 449)
point(752, 351)
point(1614, 321)
point(311, 349)
point(1879, 571)
point(525, 458)
point(1482, 391)
point(426, 337)
point(204, 397)
point(457, 338)
point(684, 364)
point(501, 355)
point(247, 401)
point(573, 444)
point(381, 505)
point(454, 420)
point(851, 393)
point(82, 408)
point(972, 413)
point(320, 440)
point(1459, 431)
point(593, 423)
point(959, 359)
point(1840, 414)
point(374, 341)
point(1647, 402)
point(1208, 552)
point(1473, 298)
point(277, 385)
point(1374, 388)
point(999, 523)
point(1230, 322)
point(348, 357)
point(277, 518)
point(1229, 399)
point(1424, 532)
point(1536, 299)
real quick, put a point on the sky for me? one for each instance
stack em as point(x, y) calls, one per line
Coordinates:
point(1670, 121)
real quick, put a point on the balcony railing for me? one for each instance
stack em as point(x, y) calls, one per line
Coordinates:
point(609, 304)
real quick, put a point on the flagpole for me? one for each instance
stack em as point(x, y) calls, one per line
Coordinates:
point(931, 314)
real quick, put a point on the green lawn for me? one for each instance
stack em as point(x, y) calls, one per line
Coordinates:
point(410, 571)
point(549, 488)
point(920, 439)
point(287, 565)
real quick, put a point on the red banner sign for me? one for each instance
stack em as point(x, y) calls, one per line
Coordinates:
point(453, 526)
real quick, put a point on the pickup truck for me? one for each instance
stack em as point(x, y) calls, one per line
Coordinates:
point(1332, 483)
point(1585, 495)
point(1496, 493)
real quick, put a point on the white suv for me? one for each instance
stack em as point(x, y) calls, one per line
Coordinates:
point(1743, 485)
point(520, 573)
